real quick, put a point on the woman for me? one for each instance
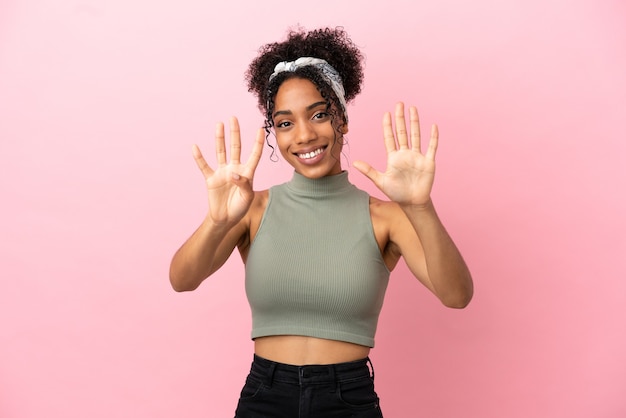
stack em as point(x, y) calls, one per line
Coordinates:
point(317, 250)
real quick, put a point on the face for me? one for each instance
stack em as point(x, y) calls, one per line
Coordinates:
point(305, 133)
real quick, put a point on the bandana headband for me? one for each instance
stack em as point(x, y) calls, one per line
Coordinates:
point(331, 75)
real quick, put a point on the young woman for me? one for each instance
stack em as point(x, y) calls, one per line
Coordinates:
point(317, 250)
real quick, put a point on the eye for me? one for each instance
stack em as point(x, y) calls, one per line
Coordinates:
point(320, 115)
point(284, 124)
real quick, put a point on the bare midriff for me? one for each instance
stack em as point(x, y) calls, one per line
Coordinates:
point(300, 350)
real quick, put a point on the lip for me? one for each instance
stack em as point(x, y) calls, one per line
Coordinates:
point(314, 160)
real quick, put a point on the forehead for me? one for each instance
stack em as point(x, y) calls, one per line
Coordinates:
point(296, 93)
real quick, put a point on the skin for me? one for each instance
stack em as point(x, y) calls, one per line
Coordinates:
point(406, 226)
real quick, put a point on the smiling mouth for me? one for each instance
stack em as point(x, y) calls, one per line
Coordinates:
point(312, 154)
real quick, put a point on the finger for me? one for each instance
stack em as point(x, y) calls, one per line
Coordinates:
point(201, 162)
point(220, 147)
point(390, 140)
point(403, 139)
point(255, 155)
point(369, 172)
point(235, 141)
point(434, 142)
point(415, 129)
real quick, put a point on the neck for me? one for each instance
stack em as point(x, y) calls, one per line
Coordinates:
point(319, 187)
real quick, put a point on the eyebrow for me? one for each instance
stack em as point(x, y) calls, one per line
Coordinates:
point(309, 107)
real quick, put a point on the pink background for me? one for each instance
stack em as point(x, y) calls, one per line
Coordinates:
point(100, 102)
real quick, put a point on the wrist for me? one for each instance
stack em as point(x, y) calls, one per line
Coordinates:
point(418, 207)
point(211, 224)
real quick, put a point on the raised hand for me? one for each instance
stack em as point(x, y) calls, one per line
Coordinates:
point(229, 186)
point(410, 174)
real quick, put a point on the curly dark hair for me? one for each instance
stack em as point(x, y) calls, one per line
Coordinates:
point(330, 44)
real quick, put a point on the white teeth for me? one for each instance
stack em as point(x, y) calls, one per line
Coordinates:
point(308, 155)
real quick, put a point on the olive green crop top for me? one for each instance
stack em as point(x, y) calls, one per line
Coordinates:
point(314, 267)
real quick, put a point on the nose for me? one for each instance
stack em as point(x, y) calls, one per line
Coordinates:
point(305, 133)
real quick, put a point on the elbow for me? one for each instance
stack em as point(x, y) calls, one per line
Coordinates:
point(179, 288)
point(459, 299)
point(181, 285)
point(457, 302)
point(184, 279)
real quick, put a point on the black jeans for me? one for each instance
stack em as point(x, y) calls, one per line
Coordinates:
point(276, 390)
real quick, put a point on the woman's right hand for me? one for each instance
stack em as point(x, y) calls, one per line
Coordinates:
point(229, 186)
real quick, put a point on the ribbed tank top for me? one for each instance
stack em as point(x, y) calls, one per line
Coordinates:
point(314, 267)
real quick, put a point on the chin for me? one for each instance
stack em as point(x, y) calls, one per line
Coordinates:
point(317, 172)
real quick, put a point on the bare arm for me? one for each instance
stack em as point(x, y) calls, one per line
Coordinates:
point(230, 195)
point(417, 232)
point(206, 250)
point(435, 259)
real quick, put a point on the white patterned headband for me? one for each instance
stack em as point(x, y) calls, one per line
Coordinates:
point(331, 75)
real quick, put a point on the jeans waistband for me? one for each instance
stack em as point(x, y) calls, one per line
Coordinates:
point(271, 371)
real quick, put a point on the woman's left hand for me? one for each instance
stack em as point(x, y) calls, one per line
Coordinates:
point(410, 174)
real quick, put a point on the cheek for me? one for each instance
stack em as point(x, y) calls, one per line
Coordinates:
point(282, 142)
point(337, 147)
point(337, 139)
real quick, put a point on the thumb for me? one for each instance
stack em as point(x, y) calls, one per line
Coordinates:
point(368, 171)
point(239, 180)
point(244, 185)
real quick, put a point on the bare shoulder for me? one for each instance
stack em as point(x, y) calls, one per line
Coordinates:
point(256, 210)
point(385, 210)
point(252, 220)
point(387, 218)
point(260, 200)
